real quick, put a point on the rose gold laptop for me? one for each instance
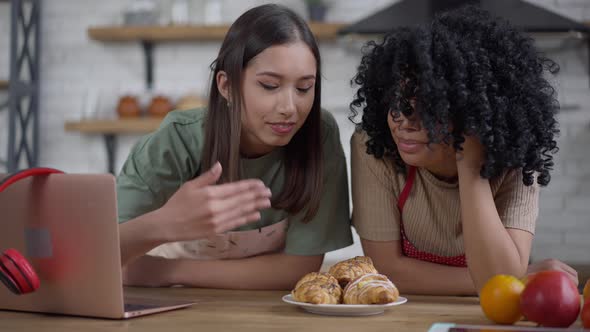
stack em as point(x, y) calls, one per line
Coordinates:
point(66, 226)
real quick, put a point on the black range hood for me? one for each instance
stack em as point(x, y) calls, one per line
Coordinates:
point(524, 15)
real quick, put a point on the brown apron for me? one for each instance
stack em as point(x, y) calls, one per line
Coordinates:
point(408, 248)
point(229, 245)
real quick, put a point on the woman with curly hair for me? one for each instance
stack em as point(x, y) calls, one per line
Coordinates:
point(458, 127)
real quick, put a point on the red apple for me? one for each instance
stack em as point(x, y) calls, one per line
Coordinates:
point(550, 299)
point(585, 315)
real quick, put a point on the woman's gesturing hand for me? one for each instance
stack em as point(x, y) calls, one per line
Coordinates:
point(201, 208)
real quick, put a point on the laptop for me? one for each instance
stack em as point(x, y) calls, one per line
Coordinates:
point(66, 226)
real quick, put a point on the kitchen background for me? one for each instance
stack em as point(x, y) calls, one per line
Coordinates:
point(82, 78)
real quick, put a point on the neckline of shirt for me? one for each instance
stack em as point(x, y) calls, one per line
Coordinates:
point(265, 160)
point(428, 176)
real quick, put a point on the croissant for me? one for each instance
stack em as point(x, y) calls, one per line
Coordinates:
point(370, 289)
point(318, 288)
point(349, 269)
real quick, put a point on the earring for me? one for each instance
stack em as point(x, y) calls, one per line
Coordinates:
point(228, 104)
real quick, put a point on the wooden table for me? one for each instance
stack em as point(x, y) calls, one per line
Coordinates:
point(223, 310)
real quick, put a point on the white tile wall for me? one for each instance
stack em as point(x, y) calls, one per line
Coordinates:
point(74, 67)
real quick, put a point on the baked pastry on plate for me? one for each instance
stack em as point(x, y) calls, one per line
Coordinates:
point(370, 288)
point(352, 268)
point(318, 288)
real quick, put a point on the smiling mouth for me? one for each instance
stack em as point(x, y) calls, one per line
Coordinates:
point(408, 141)
point(409, 146)
point(282, 127)
point(282, 124)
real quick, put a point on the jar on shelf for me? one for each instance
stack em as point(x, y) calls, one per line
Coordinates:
point(128, 107)
point(190, 101)
point(160, 106)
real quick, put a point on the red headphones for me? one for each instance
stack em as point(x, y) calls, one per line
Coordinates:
point(15, 271)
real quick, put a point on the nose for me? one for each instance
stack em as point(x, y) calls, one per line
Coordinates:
point(287, 103)
point(408, 124)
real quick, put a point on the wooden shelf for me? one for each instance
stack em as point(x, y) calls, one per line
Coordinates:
point(322, 31)
point(3, 85)
point(117, 126)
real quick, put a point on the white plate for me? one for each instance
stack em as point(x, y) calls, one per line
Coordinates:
point(344, 309)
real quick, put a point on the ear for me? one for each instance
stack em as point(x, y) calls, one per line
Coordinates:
point(222, 84)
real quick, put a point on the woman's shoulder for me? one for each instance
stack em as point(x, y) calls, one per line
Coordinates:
point(361, 158)
point(511, 180)
point(370, 173)
point(329, 124)
point(189, 117)
point(178, 139)
point(359, 138)
point(358, 144)
point(330, 135)
point(184, 127)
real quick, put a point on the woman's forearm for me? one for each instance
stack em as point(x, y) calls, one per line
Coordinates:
point(139, 235)
point(489, 249)
point(273, 271)
point(413, 276)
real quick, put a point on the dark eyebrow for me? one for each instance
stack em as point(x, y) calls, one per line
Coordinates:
point(273, 74)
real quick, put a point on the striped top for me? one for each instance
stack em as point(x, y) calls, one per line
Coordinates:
point(432, 215)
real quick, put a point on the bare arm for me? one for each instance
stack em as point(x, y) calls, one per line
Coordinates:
point(270, 272)
point(413, 276)
point(139, 236)
point(490, 248)
point(200, 208)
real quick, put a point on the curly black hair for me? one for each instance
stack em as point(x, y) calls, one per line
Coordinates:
point(470, 74)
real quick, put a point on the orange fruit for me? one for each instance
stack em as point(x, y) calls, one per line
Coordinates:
point(586, 293)
point(500, 299)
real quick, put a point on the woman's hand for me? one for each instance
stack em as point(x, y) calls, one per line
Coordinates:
point(200, 208)
point(472, 156)
point(553, 264)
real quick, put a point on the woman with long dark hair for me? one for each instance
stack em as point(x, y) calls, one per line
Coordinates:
point(250, 192)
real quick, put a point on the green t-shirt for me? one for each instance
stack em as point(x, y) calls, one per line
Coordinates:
point(165, 159)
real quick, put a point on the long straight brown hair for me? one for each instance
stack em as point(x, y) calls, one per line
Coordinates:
point(254, 31)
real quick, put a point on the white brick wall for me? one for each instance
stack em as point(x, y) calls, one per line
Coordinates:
point(74, 66)
point(564, 222)
point(576, 9)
